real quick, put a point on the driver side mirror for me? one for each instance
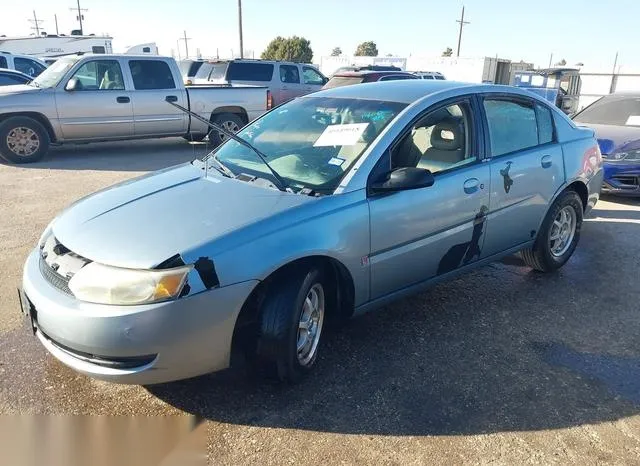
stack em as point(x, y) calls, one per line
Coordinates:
point(402, 179)
point(72, 85)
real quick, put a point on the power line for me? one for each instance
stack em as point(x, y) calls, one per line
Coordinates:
point(36, 23)
point(462, 24)
point(80, 16)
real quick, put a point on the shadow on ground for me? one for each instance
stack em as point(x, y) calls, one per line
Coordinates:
point(500, 349)
point(137, 155)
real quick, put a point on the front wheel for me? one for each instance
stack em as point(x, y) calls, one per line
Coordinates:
point(23, 140)
point(558, 236)
point(291, 322)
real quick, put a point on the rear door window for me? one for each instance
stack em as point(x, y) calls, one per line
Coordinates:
point(151, 74)
point(3, 62)
point(241, 71)
point(289, 74)
point(512, 125)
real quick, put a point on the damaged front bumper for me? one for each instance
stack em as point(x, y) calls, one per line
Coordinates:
point(142, 344)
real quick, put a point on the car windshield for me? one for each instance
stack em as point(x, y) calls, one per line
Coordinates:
point(612, 110)
point(311, 142)
point(52, 75)
point(339, 81)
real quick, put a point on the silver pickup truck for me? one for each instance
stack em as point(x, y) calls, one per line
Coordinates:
point(93, 98)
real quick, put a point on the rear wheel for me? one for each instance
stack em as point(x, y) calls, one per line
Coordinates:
point(23, 140)
point(558, 236)
point(291, 322)
point(230, 122)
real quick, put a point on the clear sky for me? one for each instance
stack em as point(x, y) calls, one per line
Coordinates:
point(589, 31)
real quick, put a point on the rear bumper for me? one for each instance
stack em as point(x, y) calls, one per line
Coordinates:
point(135, 344)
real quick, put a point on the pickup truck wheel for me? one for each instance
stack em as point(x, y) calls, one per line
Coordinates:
point(229, 121)
point(291, 320)
point(23, 140)
point(558, 236)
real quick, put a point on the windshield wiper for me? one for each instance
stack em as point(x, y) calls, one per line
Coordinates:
point(281, 183)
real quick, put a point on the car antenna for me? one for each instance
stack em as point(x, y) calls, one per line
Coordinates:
point(282, 184)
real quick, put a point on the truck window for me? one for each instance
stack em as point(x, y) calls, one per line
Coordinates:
point(3, 62)
point(100, 75)
point(27, 66)
point(239, 71)
point(8, 80)
point(98, 49)
point(289, 74)
point(151, 74)
point(311, 76)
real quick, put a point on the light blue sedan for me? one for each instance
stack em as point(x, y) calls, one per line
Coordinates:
point(326, 207)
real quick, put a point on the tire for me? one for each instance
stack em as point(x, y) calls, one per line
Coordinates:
point(281, 317)
point(23, 140)
point(548, 255)
point(229, 121)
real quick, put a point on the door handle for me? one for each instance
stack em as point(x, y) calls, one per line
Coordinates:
point(471, 185)
point(123, 100)
point(545, 161)
point(171, 98)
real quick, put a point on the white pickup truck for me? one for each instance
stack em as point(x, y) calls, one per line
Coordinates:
point(93, 98)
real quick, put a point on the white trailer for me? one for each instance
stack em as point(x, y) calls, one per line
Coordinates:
point(52, 46)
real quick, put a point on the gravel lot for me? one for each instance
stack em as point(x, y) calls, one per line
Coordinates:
point(501, 366)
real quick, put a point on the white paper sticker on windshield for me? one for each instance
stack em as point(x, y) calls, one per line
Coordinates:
point(341, 135)
point(336, 161)
point(633, 120)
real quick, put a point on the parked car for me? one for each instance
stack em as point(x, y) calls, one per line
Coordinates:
point(616, 121)
point(559, 86)
point(366, 68)
point(348, 78)
point(92, 98)
point(13, 77)
point(329, 206)
point(285, 80)
point(26, 64)
point(429, 75)
point(189, 68)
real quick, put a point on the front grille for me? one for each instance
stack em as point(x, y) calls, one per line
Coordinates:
point(630, 181)
point(58, 281)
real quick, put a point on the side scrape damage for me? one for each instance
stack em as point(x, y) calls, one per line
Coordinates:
point(463, 253)
point(205, 268)
point(508, 181)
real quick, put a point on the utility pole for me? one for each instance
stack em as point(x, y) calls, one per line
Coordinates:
point(550, 59)
point(80, 16)
point(186, 44)
point(55, 17)
point(240, 27)
point(462, 24)
point(36, 23)
point(614, 78)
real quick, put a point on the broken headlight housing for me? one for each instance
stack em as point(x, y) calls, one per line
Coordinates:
point(103, 284)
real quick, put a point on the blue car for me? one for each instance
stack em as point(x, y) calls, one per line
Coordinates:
point(616, 120)
point(326, 207)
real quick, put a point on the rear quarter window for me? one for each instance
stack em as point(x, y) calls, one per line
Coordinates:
point(250, 72)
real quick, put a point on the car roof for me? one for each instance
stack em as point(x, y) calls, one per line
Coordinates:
point(406, 90)
point(355, 74)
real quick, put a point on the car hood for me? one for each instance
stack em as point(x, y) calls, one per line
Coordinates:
point(616, 138)
point(17, 89)
point(142, 222)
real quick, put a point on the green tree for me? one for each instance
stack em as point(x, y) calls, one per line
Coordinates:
point(336, 52)
point(296, 49)
point(448, 52)
point(367, 49)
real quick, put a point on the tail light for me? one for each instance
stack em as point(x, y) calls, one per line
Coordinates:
point(269, 100)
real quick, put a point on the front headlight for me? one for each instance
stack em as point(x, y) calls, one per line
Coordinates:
point(628, 156)
point(45, 234)
point(104, 284)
